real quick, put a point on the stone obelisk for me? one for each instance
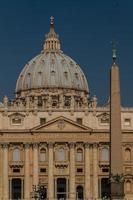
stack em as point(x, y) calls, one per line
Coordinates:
point(116, 160)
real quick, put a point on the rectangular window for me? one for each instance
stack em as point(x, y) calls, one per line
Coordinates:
point(79, 170)
point(104, 121)
point(16, 170)
point(16, 121)
point(127, 121)
point(42, 121)
point(105, 170)
point(79, 120)
point(42, 170)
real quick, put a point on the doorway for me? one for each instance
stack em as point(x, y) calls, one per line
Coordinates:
point(16, 188)
point(79, 192)
point(105, 188)
point(61, 188)
point(43, 192)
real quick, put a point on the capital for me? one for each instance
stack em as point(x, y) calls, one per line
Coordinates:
point(5, 145)
point(27, 145)
point(72, 144)
point(87, 145)
point(95, 145)
point(50, 144)
point(35, 145)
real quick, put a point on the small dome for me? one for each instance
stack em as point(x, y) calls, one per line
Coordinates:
point(51, 69)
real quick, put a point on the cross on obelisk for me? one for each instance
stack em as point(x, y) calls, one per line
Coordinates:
point(116, 160)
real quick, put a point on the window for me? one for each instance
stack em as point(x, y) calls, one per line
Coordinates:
point(16, 170)
point(42, 170)
point(80, 192)
point(79, 155)
point(79, 170)
point(66, 75)
point(60, 154)
point(42, 155)
point(128, 186)
point(127, 154)
point(16, 121)
point(79, 120)
point(42, 121)
point(105, 170)
point(105, 154)
point(16, 154)
point(127, 121)
point(104, 121)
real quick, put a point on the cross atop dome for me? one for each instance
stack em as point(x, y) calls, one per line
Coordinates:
point(51, 20)
point(114, 50)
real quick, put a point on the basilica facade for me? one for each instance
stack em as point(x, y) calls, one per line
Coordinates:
point(54, 135)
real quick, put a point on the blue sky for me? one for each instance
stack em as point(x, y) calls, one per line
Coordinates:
point(86, 29)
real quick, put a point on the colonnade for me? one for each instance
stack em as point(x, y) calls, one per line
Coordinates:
point(88, 190)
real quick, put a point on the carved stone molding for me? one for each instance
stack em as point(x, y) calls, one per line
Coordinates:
point(61, 124)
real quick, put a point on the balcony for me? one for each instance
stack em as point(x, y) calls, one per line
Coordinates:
point(16, 164)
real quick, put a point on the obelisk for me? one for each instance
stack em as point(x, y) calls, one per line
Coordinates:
point(116, 160)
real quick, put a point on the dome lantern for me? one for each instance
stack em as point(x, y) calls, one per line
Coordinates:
point(52, 42)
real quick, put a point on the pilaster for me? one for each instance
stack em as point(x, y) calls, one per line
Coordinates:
point(50, 172)
point(27, 172)
point(72, 190)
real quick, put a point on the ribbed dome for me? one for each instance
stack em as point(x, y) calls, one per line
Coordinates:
point(51, 69)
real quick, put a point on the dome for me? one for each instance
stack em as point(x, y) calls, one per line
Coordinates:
point(51, 69)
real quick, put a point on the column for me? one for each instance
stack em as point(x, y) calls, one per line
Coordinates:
point(10, 188)
point(72, 189)
point(1, 165)
point(35, 164)
point(27, 172)
point(87, 171)
point(95, 170)
point(5, 172)
point(22, 188)
point(50, 173)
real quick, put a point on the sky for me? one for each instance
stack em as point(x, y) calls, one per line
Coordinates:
point(86, 29)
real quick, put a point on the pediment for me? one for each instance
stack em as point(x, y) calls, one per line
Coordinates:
point(104, 115)
point(16, 115)
point(61, 124)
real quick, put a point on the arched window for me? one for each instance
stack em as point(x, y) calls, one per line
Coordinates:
point(127, 154)
point(79, 192)
point(105, 154)
point(42, 156)
point(128, 186)
point(79, 155)
point(16, 154)
point(60, 154)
